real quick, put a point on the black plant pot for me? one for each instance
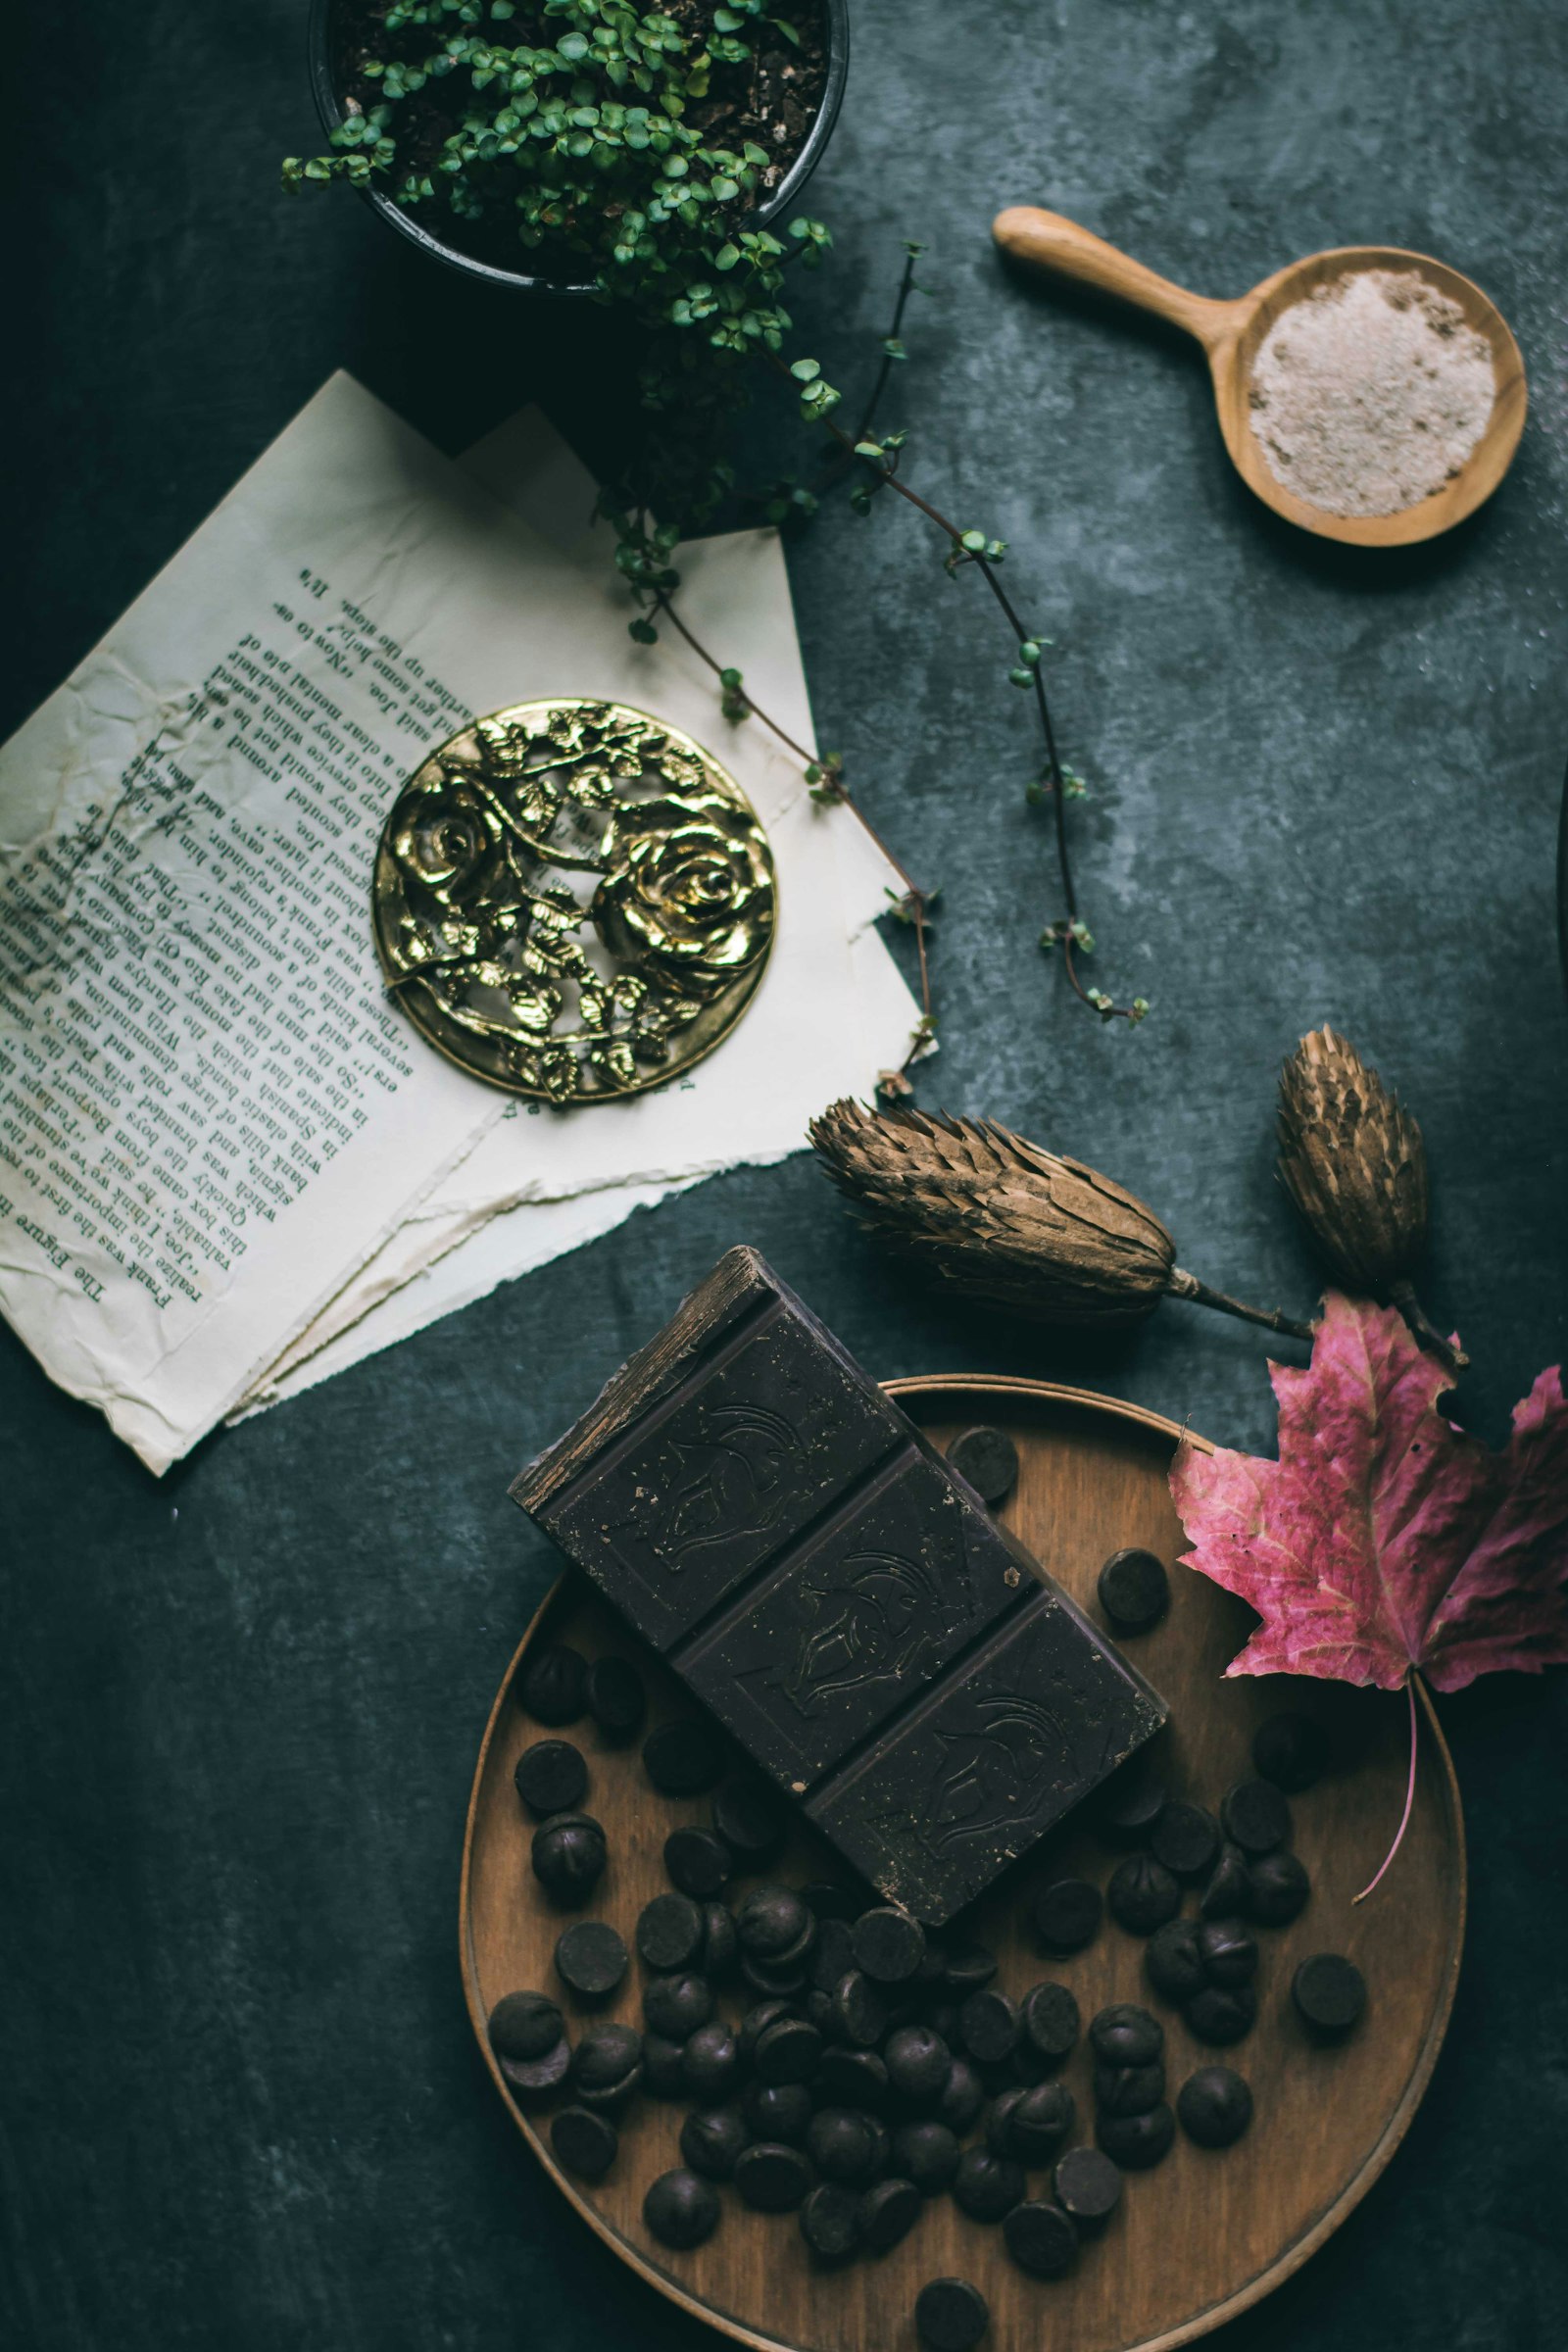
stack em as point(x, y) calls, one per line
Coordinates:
point(322, 11)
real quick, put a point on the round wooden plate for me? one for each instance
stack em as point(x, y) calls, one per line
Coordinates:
point(1207, 2233)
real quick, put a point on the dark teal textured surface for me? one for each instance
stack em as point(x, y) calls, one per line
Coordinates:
point(239, 2105)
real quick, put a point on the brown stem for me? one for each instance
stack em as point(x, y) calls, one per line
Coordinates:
point(1402, 1294)
point(1183, 1284)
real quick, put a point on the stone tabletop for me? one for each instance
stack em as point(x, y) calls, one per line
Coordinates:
point(239, 2102)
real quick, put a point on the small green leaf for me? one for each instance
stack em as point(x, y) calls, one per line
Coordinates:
point(894, 348)
point(869, 448)
point(805, 371)
point(644, 631)
point(974, 542)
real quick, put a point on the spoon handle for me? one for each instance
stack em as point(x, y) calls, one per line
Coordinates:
point(1051, 242)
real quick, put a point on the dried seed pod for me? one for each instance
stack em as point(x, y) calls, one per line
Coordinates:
point(1352, 1161)
point(996, 1219)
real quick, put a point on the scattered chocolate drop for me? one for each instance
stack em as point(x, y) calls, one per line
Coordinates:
point(670, 1932)
point(926, 2153)
point(1225, 1893)
point(1186, 1839)
point(755, 2023)
point(988, 2025)
point(662, 2077)
point(1129, 1802)
point(525, 2025)
point(989, 1459)
point(1228, 1953)
point(858, 2010)
point(962, 2097)
point(1277, 1889)
point(538, 2077)
point(1129, 2089)
point(567, 1855)
point(1041, 2120)
point(1256, 1817)
point(889, 1945)
point(830, 2221)
point(720, 1944)
point(951, 2314)
point(1214, 2106)
point(918, 2063)
point(709, 2063)
point(617, 1700)
point(1221, 2013)
point(678, 2005)
point(684, 1758)
point(1041, 2238)
point(850, 2077)
point(606, 2065)
point(967, 1969)
point(1087, 2184)
point(551, 1777)
point(1291, 1750)
point(710, 2140)
point(774, 1923)
point(551, 1685)
point(585, 2143)
point(1329, 1992)
point(771, 2177)
point(1066, 1915)
point(1134, 1591)
point(591, 1958)
point(696, 1862)
point(748, 1819)
point(986, 2186)
point(1124, 2034)
point(681, 2208)
point(1136, 2141)
point(1171, 1960)
point(789, 2051)
point(1050, 2022)
point(889, 2211)
point(845, 2143)
point(1143, 1894)
point(777, 2111)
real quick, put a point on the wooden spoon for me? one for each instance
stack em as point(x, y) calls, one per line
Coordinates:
point(1230, 333)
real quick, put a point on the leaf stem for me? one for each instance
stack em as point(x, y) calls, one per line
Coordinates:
point(1409, 1793)
point(1402, 1293)
point(1183, 1284)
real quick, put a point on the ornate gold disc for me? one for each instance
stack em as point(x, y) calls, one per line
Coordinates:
point(574, 900)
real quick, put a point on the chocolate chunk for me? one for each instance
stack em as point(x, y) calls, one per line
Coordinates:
point(770, 1520)
point(1214, 2106)
point(1225, 1892)
point(1171, 1960)
point(1066, 1915)
point(662, 2077)
point(1134, 1591)
point(1049, 2021)
point(859, 2010)
point(1129, 1802)
point(684, 1758)
point(681, 2208)
point(697, 1862)
point(1291, 1750)
point(1136, 2141)
point(1277, 1889)
point(709, 2061)
point(1184, 1838)
point(585, 2143)
point(1329, 1992)
point(790, 2051)
point(670, 1931)
point(889, 2211)
point(720, 1944)
point(772, 1923)
point(988, 2025)
point(1228, 1953)
point(677, 2005)
point(830, 2222)
point(850, 2077)
point(989, 1459)
point(1221, 2013)
point(986, 2186)
point(926, 2153)
point(951, 2314)
point(1256, 1817)
point(1143, 1894)
point(1129, 2089)
point(1041, 2238)
point(591, 1958)
point(1087, 2184)
point(845, 2143)
point(777, 2111)
point(551, 1777)
point(962, 2097)
point(1041, 2118)
point(1126, 2035)
point(749, 1819)
point(710, 2140)
point(525, 2025)
point(551, 1684)
point(536, 2077)
point(771, 2177)
point(888, 1946)
point(617, 1700)
point(919, 2064)
point(606, 2065)
point(568, 1856)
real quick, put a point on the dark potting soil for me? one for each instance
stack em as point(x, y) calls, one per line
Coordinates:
point(772, 101)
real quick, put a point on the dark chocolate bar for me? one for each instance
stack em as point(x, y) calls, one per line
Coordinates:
point(839, 1597)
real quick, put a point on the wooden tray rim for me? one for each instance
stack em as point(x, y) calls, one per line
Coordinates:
point(1214, 2315)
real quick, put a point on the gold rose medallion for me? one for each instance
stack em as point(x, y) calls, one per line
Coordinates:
point(574, 900)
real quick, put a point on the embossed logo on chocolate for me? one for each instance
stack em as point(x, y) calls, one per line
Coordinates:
point(736, 1481)
point(992, 1777)
point(879, 1629)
